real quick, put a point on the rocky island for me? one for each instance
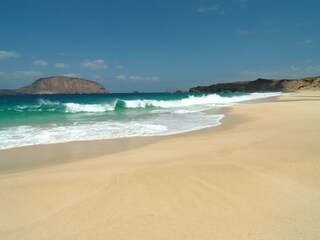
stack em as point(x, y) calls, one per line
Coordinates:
point(59, 85)
point(262, 85)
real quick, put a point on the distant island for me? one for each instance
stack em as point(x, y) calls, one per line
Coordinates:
point(59, 85)
point(262, 85)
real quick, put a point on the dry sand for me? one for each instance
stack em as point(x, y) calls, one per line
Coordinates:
point(255, 177)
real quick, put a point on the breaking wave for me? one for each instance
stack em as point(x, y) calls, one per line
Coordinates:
point(44, 105)
point(91, 108)
point(32, 121)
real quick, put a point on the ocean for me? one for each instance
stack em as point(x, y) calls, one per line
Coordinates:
point(45, 119)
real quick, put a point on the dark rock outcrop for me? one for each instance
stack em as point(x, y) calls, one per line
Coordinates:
point(7, 92)
point(262, 85)
point(60, 85)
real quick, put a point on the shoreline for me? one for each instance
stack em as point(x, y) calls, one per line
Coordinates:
point(255, 177)
point(18, 158)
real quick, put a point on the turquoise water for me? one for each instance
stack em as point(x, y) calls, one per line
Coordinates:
point(44, 119)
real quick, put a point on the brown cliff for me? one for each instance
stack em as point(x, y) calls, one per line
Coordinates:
point(262, 85)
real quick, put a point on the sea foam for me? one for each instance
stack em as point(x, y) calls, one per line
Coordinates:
point(93, 108)
point(213, 99)
point(111, 118)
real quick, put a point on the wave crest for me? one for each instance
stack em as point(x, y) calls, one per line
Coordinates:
point(90, 108)
point(211, 100)
point(43, 105)
point(197, 102)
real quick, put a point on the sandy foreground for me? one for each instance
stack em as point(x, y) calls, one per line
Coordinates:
point(255, 177)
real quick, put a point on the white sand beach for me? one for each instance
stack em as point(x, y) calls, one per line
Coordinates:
point(257, 176)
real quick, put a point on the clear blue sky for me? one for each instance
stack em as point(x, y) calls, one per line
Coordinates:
point(154, 45)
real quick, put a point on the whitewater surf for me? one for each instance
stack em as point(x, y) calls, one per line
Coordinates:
point(46, 119)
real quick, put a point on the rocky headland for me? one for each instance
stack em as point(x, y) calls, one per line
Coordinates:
point(262, 85)
point(59, 85)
